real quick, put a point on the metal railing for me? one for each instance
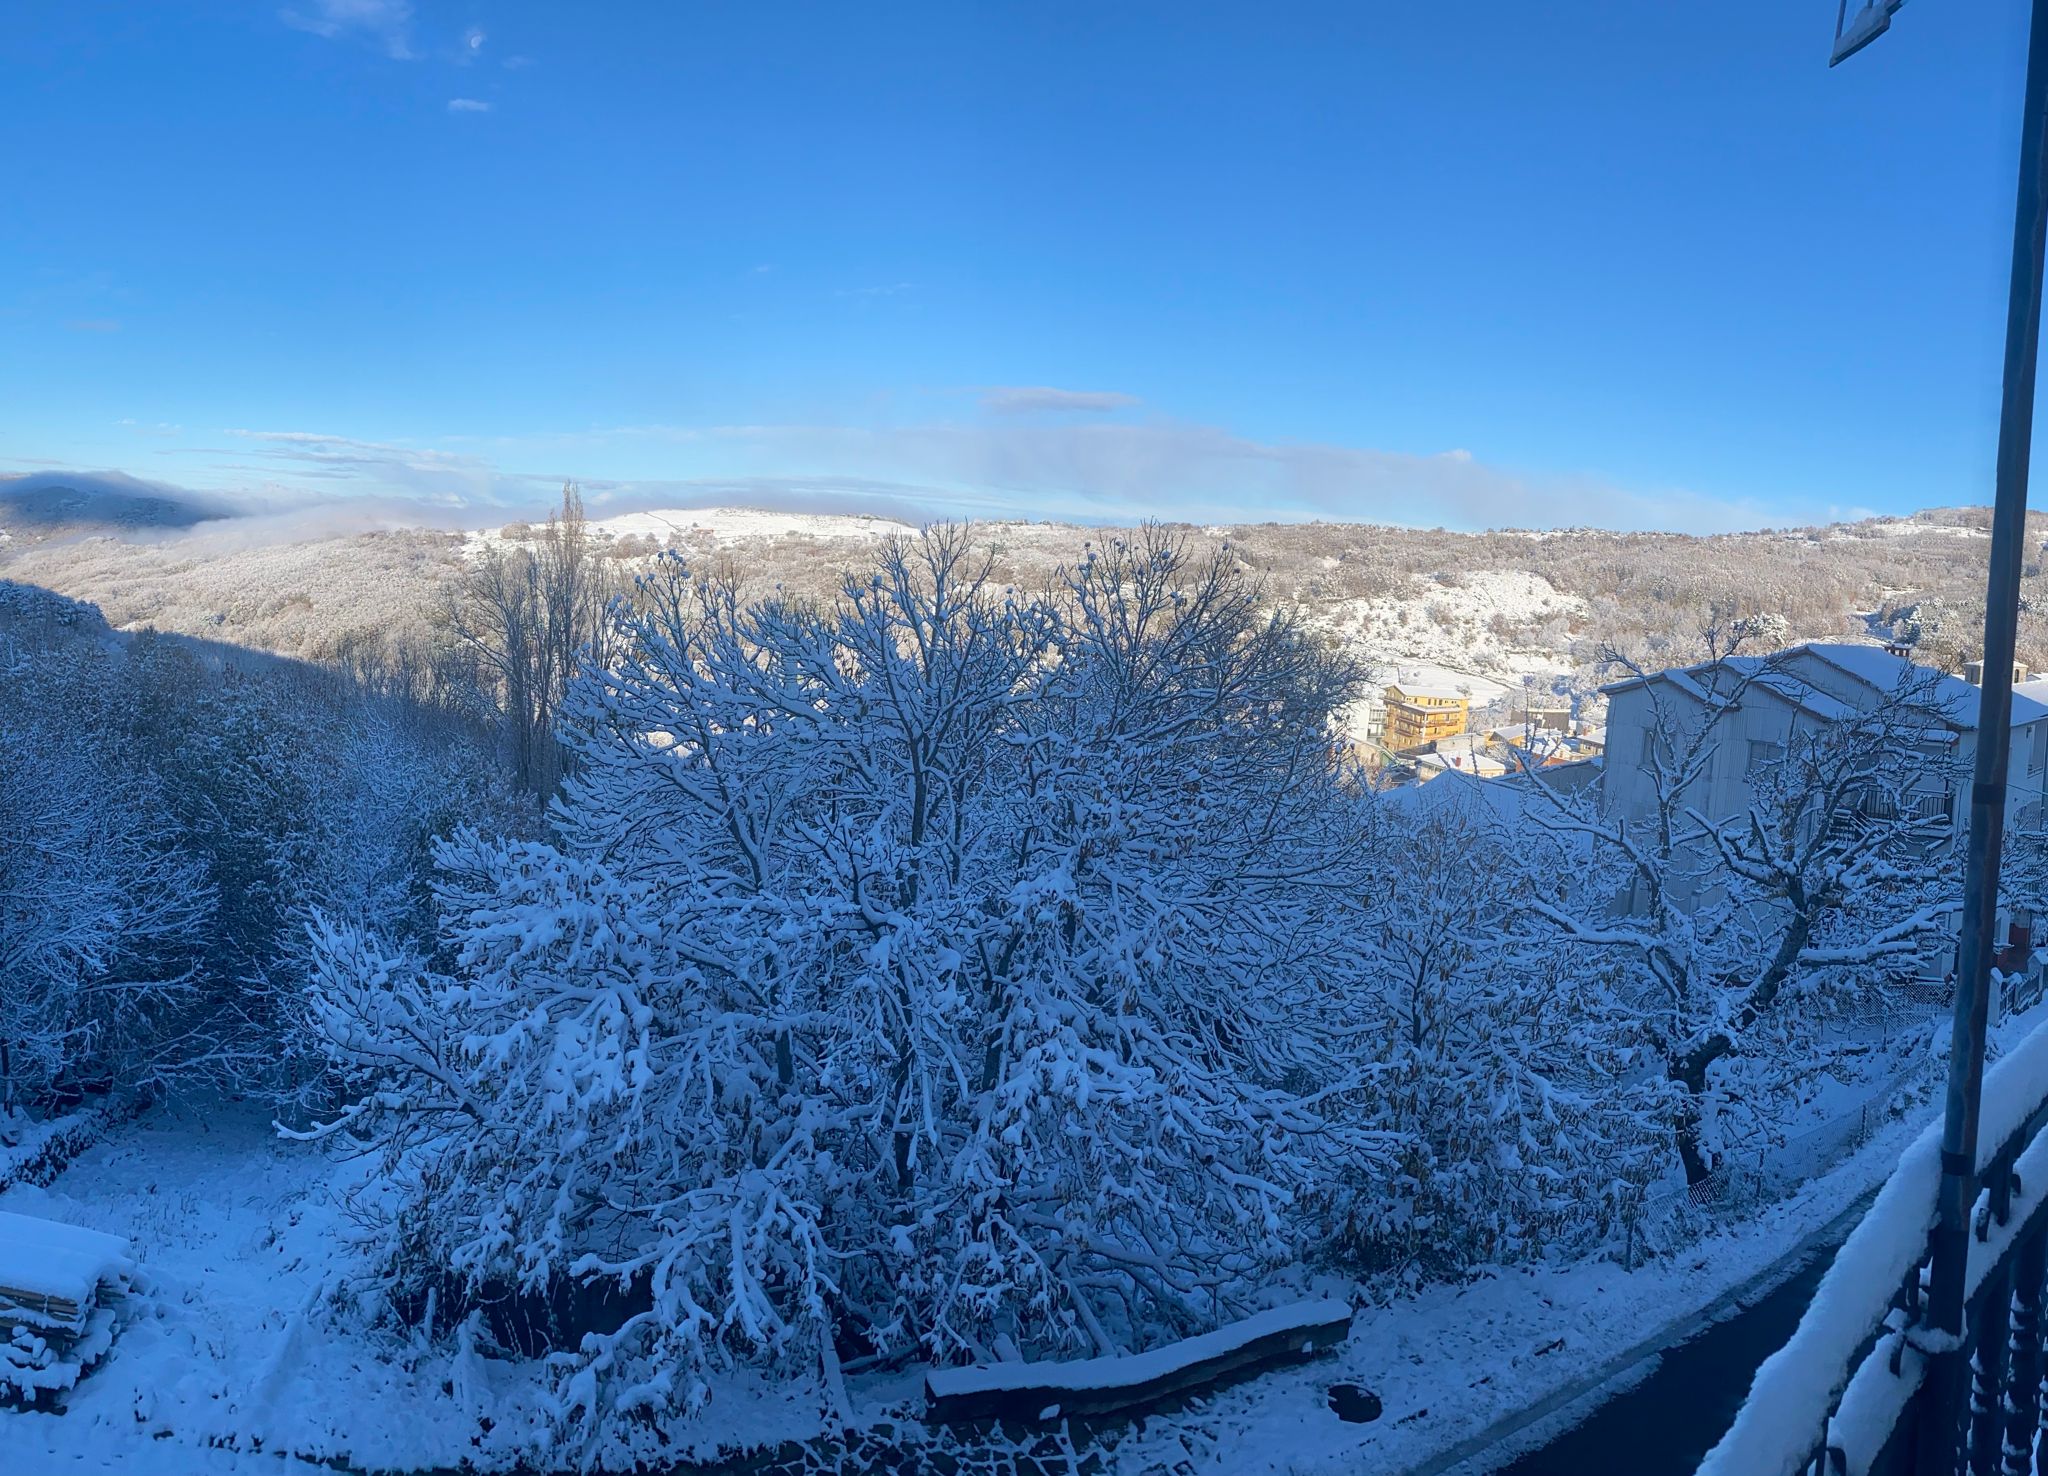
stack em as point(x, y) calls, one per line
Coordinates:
point(1922, 1350)
point(1868, 1384)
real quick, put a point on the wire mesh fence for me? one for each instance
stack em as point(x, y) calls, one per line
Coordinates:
point(1670, 1216)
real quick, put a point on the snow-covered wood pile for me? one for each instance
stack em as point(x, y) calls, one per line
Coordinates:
point(1050, 1391)
point(60, 1289)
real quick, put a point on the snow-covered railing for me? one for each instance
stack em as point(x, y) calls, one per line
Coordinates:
point(1847, 1396)
point(1049, 1391)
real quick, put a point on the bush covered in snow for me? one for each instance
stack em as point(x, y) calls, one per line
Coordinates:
point(936, 970)
point(169, 821)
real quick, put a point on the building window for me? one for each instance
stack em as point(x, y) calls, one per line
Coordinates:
point(1764, 756)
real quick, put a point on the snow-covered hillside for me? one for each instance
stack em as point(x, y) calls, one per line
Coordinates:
point(727, 525)
point(1482, 633)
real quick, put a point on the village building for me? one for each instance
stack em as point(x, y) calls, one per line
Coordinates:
point(1465, 753)
point(1418, 713)
point(1800, 691)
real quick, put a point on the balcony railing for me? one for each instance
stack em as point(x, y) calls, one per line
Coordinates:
point(1866, 1386)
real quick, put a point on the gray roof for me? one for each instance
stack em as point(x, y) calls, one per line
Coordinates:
point(1872, 666)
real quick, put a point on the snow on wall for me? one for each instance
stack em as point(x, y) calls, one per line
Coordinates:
point(1782, 1418)
point(1136, 1368)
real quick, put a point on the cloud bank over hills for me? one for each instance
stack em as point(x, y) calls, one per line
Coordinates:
point(1032, 453)
point(1020, 451)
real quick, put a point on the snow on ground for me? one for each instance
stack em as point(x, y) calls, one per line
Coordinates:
point(1908, 528)
point(235, 1234)
point(1453, 1360)
point(1488, 628)
point(727, 525)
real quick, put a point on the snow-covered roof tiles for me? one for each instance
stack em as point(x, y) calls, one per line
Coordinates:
point(1876, 667)
point(1439, 691)
point(1871, 667)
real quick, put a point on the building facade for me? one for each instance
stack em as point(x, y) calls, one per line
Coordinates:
point(1418, 714)
point(1800, 691)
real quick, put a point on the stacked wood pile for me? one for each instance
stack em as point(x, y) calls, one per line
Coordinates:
point(61, 1289)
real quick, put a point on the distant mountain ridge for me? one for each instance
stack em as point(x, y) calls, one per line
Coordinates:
point(54, 504)
point(1503, 613)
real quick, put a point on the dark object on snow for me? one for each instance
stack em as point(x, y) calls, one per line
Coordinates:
point(1355, 1404)
point(1044, 1392)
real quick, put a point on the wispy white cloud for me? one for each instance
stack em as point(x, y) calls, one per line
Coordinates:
point(885, 289)
point(94, 325)
point(388, 23)
point(467, 105)
point(390, 468)
point(1023, 399)
point(1088, 469)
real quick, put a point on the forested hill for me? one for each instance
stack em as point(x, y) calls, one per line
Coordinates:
point(1498, 606)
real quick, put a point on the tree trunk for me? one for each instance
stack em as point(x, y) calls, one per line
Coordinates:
point(1687, 1122)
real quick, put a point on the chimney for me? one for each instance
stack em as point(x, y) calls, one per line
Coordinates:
point(1974, 672)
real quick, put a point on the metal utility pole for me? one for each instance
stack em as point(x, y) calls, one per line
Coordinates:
point(1994, 734)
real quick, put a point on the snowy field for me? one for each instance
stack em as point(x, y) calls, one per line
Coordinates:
point(232, 1362)
point(229, 1353)
point(1485, 630)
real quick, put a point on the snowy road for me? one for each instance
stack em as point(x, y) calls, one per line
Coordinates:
point(1664, 1424)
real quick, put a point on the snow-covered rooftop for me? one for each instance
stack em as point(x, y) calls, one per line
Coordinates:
point(1879, 668)
point(1872, 667)
point(1434, 691)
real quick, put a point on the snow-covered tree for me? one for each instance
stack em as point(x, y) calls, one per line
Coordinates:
point(1745, 934)
point(942, 969)
point(527, 611)
point(101, 911)
point(1526, 1105)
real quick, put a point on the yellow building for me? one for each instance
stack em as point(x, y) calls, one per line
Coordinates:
point(1418, 713)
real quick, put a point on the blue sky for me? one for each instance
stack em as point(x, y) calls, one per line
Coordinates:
point(1470, 265)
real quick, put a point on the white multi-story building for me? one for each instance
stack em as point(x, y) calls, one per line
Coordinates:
point(1803, 689)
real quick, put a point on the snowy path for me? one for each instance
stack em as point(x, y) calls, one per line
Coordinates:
point(1459, 1369)
point(1663, 1424)
point(1662, 1404)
